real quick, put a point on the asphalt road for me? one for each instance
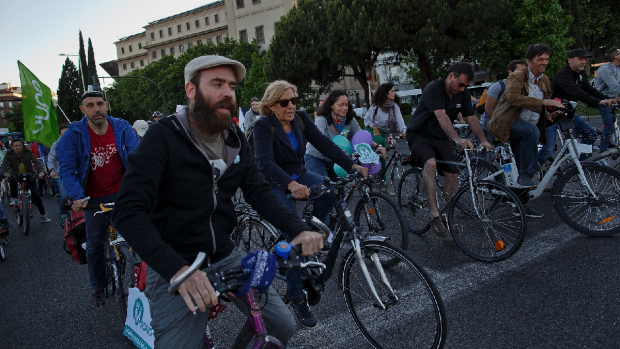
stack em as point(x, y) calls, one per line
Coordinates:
point(560, 290)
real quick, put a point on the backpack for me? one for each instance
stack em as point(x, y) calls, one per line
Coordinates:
point(249, 133)
point(75, 236)
point(483, 99)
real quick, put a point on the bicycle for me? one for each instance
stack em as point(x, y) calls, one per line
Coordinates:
point(485, 218)
point(585, 195)
point(23, 209)
point(5, 190)
point(120, 261)
point(396, 163)
point(225, 282)
point(4, 231)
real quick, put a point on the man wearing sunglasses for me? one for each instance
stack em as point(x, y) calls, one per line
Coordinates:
point(430, 131)
point(521, 115)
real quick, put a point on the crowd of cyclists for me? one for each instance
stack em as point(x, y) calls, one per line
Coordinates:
point(173, 179)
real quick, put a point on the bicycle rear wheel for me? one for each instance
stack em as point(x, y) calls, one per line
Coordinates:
point(397, 172)
point(488, 224)
point(126, 277)
point(412, 201)
point(2, 255)
point(413, 316)
point(252, 234)
point(598, 216)
point(382, 217)
point(26, 212)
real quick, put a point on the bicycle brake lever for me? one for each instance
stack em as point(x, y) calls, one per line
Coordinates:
point(172, 289)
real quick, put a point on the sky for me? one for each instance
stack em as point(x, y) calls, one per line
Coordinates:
point(36, 32)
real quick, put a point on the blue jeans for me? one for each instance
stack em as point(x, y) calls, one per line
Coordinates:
point(320, 210)
point(581, 128)
point(319, 166)
point(524, 142)
point(2, 216)
point(96, 235)
point(608, 126)
point(490, 138)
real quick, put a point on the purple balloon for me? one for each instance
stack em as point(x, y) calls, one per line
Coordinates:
point(362, 136)
point(372, 168)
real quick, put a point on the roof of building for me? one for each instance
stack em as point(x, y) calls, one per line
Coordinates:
point(131, 36)
point(197, 9)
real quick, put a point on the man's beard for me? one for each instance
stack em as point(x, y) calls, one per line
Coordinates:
point(97, 122)
point(207, 116)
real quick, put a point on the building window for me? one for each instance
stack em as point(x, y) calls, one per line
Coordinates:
point(153, 36)
point(154, 54)
point(2, 106)
point(139, 46)
point(218, 39)
point(198, 42)
point(256, 1)
point(240, 3)
point(172, 50)
point(169, 31)
point(130, 50)
point(189, 45)
point(161, 33)
point(243, 36)
point(187, 25)
point(11, 104)
point(124, 66)
point(217, 18)
point(142, 63)
point(133, 65)
point(163, 52)
point(275, 26)
point(260, 37)
point(178, 28)
point(206, 20)
point(122, 50)
point(197, 23)
point(209, 39)
point(180, 48)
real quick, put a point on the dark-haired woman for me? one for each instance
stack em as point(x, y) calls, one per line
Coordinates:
point(334, 117)
point(384, 117)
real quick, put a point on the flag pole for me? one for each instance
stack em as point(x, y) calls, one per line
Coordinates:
point(63, 113)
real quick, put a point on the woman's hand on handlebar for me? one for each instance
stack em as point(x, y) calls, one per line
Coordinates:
point(197, 288)
point(361, 169)
point(299, 191)
point(79, 205)
point(311, 242)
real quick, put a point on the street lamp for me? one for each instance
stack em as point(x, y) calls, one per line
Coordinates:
point(80, 66)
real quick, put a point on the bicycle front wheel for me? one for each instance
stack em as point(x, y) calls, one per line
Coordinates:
point(488, 224)
point(397, 172)
point(382, 217)
point(26, 212)
point(125, 276)
point(412, 201)
point(591, 215)
point(2, 255)
point(412, 314)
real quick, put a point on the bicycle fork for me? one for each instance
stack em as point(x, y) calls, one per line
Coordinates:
point(358, 255)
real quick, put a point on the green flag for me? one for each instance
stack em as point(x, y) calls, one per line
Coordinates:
point(39, 113)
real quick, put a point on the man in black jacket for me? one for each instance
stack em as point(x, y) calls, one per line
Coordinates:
point(571, 83)
point(176, 200)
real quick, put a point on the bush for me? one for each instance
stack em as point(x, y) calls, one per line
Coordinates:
point(406, 108)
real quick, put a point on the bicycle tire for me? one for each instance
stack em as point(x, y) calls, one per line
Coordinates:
point(397, 172)
point(414, 316)
point(2, 253)
point(19, 218)
point(252, 234)
point(26, 212)
point(110, 270)
point(576, 207)
point(489, 224)
point(412, 201)
point(481, 169)
point(382, 217)
point(126, 277)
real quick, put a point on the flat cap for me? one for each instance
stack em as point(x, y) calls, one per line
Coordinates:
point(211, 61)
point(579, 52)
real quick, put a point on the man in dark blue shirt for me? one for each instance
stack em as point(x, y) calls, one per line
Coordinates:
point(430, 131)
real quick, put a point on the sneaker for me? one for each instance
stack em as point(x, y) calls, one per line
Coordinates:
point(525, 181)
point(13, 202)
point(302, 312)
point(385, 189)
point(438, 227)
point(45, 219)
point(97, 297)
point(530, 212)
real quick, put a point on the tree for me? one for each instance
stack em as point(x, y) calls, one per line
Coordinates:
point(528, 22)
point(92, 67)
point(16, 118)
point(255, 82)
point(69, 86)
point(598, 24)
point(298, 50)
point(83, 64)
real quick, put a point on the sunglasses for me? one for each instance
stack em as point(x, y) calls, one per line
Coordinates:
point(460, 83)
point(284, 102)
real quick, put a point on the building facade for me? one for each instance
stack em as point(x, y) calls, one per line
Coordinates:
point(9, 97)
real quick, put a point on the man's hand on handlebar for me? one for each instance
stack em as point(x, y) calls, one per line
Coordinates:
point(552, 103)
point(361, 169)
point(311, 242)
point(79, 205)
point(486, 145)
point(197, 288)
point(299, 191)
point(464, 143)
point(551, 117)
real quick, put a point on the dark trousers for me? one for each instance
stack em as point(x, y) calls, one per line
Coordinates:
point(34, 194)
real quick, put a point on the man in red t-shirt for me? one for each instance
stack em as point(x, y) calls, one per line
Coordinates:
point(92, 158)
